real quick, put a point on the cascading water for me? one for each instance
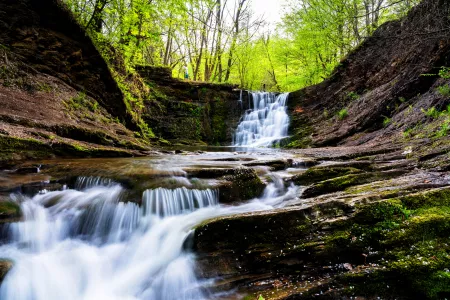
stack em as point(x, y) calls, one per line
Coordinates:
point(266, 123)
point(164, 202)
point(86, 244)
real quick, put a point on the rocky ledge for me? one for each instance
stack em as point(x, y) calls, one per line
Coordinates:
point(369, 223)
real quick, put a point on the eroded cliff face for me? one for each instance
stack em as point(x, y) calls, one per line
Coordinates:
point(46, 38)
point(190, 112)
point(380, 88)
point(57, 95)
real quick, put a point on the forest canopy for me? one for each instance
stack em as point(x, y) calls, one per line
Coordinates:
point(226, 41)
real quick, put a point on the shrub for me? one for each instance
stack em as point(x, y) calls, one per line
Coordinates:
point(352, 96)
point(444, 72)
point(444, 129)
point(342, 114)
point(431, 112)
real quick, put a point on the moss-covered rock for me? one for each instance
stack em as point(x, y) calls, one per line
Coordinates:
point(9, 210)
point(343, 182)
point(395, 248)
point(14, 149)
point(431, 198)
point(192, 111)
point(317, 174)
point(244, 184)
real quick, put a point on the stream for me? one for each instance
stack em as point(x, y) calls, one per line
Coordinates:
point(88, 240)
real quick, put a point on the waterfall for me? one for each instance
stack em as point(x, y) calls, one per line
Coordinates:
point(84, 182)
point(86, 244)
point(164, 202)
point(266, 123)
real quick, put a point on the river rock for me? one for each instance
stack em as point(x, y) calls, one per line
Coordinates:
point(5, 266)
point(244, 184)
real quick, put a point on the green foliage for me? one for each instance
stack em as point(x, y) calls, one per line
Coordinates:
point(94, 106)
point(146, 131)
point(408, 133)
point(352, 96)
point(78, 101)
point(443, 131)
point(196, 111)
point(387, 121)
point(44, 87)
point(221, 46)
point(342, 114)
point(444, 90)
point(444, 72)
point(431, 112)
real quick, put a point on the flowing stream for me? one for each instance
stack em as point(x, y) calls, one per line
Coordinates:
point(266, 123)
point(86, 243)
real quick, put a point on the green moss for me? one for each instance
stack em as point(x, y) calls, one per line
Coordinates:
point(218, 121)
point(342, 114)
point(425, 224)
point(444, 90)
point(134, 92)
point(316, 174)
point(9, 142)
point(245, 185)
point(301, 137)
point(9, 209)
point(352, 96)
point(44, 87)
point(13, 148)
point(432, 198)
point(343, 182)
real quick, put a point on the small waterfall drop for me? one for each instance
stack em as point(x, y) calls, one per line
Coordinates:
point(164, 202)
point(87, 244)
point(266, 123)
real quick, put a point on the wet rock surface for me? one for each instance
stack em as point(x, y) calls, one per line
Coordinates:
point(369, 216)
point(380, 236)
point(5, 266)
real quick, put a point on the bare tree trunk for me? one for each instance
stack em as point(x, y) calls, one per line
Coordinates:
point(168, 45)
point(236, 20)
point(96, 20)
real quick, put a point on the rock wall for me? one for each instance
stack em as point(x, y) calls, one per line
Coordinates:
point(380, 85)
point(57, 95)
point(48, 39)
point(191, 112)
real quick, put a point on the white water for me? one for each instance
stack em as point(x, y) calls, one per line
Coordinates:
point(87, 245)
point(266, 123)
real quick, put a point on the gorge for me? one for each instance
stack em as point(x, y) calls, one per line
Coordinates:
point(117, 185)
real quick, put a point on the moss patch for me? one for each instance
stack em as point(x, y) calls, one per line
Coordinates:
point(316, 174)
point(244, 185)
point(343, 182)
point(9, 210)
